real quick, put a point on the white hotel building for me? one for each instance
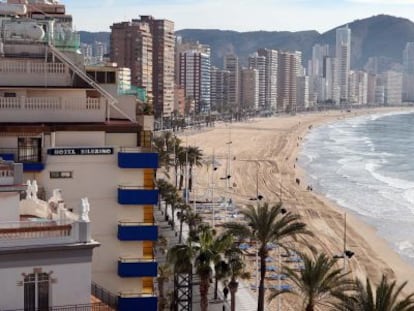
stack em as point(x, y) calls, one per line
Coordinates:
point(74, 129)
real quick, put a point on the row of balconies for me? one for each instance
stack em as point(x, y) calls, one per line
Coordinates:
point(127, 158)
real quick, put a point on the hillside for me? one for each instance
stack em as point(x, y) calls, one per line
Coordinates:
point(380, 35)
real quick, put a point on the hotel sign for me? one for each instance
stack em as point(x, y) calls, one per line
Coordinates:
point(80, 151)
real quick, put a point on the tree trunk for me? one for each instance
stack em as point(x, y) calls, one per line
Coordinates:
point(166, 211)
point(161, 300)
point(173, 215)
point(233, 286)
point(181, 231)
point(190, 179)
point(176, 174)
point(215, 288)
point(204, 286)
point(310, 307)
point(261, 297)
point(181, 179)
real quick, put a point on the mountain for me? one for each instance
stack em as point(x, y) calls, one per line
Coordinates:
point(381, 35)
point(90, 37)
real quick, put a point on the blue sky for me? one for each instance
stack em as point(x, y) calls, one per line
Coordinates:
point(240, 15)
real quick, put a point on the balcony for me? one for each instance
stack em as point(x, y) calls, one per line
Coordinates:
point(132, 195)
point(32, 73)
point(31, 159)
point(133, 302)
point(134, 231)
point(137, 267)
point(51, 109)
point(136, 158)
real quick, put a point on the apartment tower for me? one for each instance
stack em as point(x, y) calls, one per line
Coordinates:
point(163, 43)
point(287, 73)
point(231, 64)
point(194, 77)
point(131, 47)
point(259, 63)
point(271, 76)
point(343, 56)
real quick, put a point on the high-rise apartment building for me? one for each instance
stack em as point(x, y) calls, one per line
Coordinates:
point(286, 81)
point(408, 76)
point(219, 89)
point(195, 78)
point(332, 90)
point(302, 93)
point(250, 89)
point(231, 64)
point(392, 82)
point(343, 56)
point(259, 63)
point(358, 87)
point(132, 47)
point(317, 72)
point(181, 47)
point(271, 76)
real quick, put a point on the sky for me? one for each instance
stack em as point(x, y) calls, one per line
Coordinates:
point(239, 15)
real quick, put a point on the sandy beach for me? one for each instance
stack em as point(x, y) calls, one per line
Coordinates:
point(264, 158)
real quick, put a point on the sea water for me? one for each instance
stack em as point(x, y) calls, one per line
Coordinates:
point(366, 165)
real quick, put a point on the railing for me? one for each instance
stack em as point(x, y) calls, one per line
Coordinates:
point(122, 187)
point(135, 295)
point(135, 149)
point(104, 295)
point(87, 307)
point(49, 103)
point(136, 223)
point(28, 67)
point(136, 260)
point(34, 229)
point(140, 93)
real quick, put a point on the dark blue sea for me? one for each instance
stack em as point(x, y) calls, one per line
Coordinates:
point(366, 165)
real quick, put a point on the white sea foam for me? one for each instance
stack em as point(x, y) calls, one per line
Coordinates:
point(391, 181)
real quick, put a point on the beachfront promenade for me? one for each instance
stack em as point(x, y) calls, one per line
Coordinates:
point(245, 299)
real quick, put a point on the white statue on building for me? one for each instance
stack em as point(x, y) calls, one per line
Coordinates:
point(84, 212)
point(28, 190)
point(35, 189)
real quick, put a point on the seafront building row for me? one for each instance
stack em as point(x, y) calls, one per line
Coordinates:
point(75, 132)
point(269, 81)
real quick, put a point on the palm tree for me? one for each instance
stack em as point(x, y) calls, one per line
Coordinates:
point(319, 282)
point(172, 199)
point(182, 215)
point(195, 155)
point(221, 272)
point(385, 297)
point(164, 274)
point(164, 189)
point(204, 252)
point(237, 271)
point(209, 252)
point(267, 224)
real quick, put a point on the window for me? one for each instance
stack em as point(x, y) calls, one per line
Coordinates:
point(61, 175)
point(30, 149)
point(36, 292)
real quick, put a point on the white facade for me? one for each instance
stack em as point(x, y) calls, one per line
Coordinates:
point(393, 83)
point(408, 77)
point(250, 89)
point(271, 76)
point(343, 56)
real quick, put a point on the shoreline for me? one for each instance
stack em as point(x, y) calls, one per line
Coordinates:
point(265, 152)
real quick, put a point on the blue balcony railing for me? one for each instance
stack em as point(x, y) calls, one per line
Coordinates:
point(32, 159)
point(135, 158)
point(136, 267)
point(131, 195)
point(134, 231)
point(133, 302)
